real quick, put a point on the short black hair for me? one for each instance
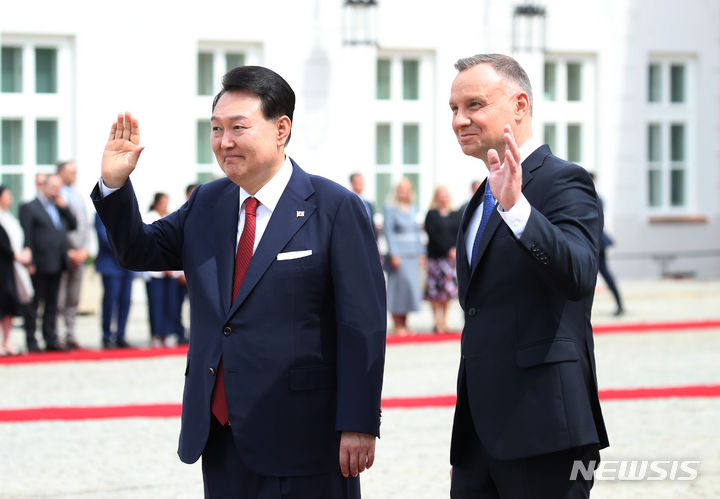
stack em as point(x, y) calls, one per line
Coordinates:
point(276, 96)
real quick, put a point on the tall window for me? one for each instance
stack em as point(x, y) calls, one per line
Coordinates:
point(403, 138)
point(213, 61)
point(36, 109)
point(668, 134)
point(568, 98)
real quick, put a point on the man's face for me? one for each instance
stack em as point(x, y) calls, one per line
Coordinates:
point(482, 104)
point(69, 174)
point(247, 146)
point(6, 199)
point(51, 189)
point(358, 184)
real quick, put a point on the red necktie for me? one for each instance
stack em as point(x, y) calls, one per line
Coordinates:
point(242, 262)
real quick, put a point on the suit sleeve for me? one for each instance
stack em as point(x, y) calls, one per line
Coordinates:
point(69, 217)
point(359, 292)
point(136, 245)
point(563, 235)
point(27, 225)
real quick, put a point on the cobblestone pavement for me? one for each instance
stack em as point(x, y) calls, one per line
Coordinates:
point(136, 457)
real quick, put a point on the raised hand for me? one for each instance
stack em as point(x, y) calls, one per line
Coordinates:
point(506, 177)
point(121, 151)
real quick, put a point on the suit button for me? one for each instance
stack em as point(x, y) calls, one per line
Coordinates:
point(212, 372)
point(472, 311)
point(227, 330)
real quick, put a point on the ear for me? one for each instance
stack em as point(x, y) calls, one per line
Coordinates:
point(522, 106)
point(284, 125)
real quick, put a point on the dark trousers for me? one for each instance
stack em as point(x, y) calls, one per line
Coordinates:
point(161, 304)
point(117, 292)
point(178, 297)
point(478, 475)
point(226, 475)
point(609, 279)
point(47, 287)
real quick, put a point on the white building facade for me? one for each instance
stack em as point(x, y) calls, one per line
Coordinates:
point(630, 89)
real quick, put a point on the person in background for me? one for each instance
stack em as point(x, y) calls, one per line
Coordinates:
point(117, 291)
point(14, 257)
point(441, 226)
point(357, 185)
point(46, 221)
point(605, 242)
point(78, 240)
point(40, 179)
point(404, 256)
point(161, 286)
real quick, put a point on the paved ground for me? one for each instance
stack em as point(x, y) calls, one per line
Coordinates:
point(135, 458)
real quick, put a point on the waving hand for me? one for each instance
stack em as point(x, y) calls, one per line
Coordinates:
point(121, 151)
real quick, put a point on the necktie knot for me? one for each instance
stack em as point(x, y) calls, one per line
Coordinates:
point(251, 205)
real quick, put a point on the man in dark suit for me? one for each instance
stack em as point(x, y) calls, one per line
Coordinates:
point(46, 221)
point(357, 184)
point(295, 333)
point(527, 256)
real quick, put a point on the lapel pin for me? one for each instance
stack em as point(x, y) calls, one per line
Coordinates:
point(300, 214)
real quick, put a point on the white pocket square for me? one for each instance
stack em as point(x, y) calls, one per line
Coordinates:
point(292, 255)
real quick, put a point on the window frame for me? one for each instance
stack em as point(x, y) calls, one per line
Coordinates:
point(202, 104)
point(666, 113)
point(31, 107)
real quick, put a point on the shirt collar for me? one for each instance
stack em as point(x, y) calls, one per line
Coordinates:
point(529, 147)
point(269, 194)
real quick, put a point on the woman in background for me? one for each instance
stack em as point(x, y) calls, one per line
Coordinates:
point(405, 251)
point(13, 259)
point(441, 226)
point(160, 285)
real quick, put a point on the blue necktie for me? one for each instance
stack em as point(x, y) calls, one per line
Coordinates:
point(488, 206)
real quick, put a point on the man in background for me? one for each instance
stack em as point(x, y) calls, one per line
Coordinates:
point(78, 245)
point(46, 221)
point(357, 184)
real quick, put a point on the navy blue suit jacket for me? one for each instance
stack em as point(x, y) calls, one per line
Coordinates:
point(303, 344)
point(527, 348)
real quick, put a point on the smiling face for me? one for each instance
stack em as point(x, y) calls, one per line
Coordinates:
point(482, 104)
point(249, 148)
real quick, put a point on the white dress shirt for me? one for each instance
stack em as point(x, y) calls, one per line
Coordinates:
point(268, 195)
point(516, 217)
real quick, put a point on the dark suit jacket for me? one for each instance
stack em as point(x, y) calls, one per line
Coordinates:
point(527, 348)
point(303, 344)
point(49, 245)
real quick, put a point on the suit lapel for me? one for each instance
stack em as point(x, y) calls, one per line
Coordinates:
point(227, 211)
point(283, 225)
point(48, 219)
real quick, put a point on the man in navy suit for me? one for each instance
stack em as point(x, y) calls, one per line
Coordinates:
point(300, 348)
point(528, 405)
point(117, 291)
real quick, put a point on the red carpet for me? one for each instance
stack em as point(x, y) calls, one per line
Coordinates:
point(415, 338)
point(173, 410)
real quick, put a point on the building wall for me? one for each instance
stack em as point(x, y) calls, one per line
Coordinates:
point(144, 59)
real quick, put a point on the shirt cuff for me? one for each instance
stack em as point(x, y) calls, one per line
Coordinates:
point(104, 189)
point(517, 217)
